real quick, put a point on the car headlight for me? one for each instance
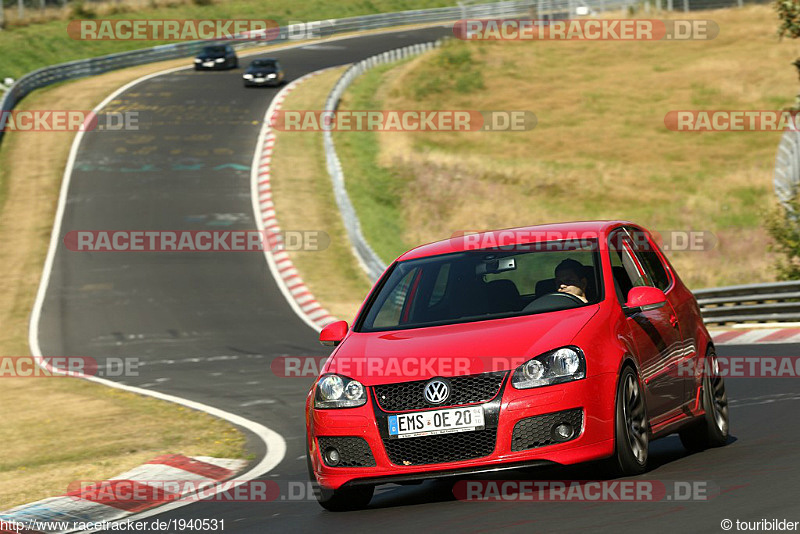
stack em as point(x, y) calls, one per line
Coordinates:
point(198, 60)
point(335, 391)
point(220, 59)
point(248, 76)
point(555, 367)
point(271, 75)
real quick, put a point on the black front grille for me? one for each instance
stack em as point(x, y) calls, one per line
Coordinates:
point(441, 448)
point(353, 451)
point(537, 431)
point(469, 389)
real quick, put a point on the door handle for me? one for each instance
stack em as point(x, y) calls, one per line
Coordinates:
point(673, 320)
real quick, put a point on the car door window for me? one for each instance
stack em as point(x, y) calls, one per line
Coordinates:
point(651, 261)
point(625, 266)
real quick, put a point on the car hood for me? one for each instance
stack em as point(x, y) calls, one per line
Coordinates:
point(261, 71)
point(468, 348)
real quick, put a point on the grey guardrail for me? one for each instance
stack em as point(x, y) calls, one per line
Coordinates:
point(325, 28)
point(367, 258)
point(774, 302)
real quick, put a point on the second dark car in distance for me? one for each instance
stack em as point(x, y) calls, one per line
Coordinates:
point(215, 57)
point(263, 71)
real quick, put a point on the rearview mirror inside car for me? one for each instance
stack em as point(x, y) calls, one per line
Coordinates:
point(496, 266)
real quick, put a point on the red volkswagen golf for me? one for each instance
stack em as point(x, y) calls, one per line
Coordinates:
point(543, 345)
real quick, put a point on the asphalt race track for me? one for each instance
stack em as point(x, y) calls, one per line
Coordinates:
point(207, 325)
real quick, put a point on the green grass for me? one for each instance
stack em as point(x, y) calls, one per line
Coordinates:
point(375, 190)
point(27, 48)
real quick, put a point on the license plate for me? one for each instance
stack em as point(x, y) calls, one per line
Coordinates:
point(259, 80)
point(449, 421)
point(208, 64)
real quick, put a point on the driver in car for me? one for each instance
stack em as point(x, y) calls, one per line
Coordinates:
point(570, 279)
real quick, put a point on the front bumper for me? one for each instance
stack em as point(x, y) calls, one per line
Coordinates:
point(215, 66)
point(265, 81)
point(595, 396)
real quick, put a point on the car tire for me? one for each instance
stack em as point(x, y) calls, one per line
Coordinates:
point(631, 432)
point(341, 500)
point(713, 427)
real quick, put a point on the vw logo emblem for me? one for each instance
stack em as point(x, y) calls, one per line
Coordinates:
point(437, 391)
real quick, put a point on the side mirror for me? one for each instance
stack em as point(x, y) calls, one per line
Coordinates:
point(333, 334)
point(644, 298)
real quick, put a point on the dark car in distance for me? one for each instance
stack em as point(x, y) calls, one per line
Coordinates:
point(264, 71)
point(216, 57)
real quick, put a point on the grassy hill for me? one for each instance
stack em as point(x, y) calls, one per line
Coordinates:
point(600, 148)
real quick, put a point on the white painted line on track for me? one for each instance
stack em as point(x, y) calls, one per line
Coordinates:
point(274, 442)
point(276, 445)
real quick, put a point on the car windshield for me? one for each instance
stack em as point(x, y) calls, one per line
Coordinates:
point(214, 50)
point(263, 63)
point(485, 284)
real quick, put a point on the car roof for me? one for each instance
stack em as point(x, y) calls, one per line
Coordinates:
point(469, 240)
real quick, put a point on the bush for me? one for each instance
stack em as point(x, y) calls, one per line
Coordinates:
point(469, 82)
point(454, 55)
point(120, 9)
point(82, 11)
point(428, 85)
point(784, 228)
point(452, 68)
